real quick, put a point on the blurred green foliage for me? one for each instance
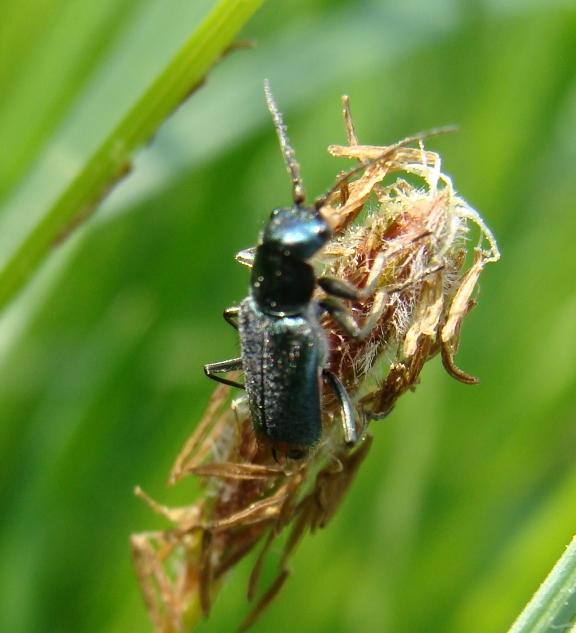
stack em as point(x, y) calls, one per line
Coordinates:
point(467, 498)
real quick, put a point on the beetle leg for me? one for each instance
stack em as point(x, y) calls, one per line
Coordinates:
point(229, 315)
point(223, 367)
point(345, 290)
point(339, 288)
point(346, 406)
point(246, 257)
point(340, 313)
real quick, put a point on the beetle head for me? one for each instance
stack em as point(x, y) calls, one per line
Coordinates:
point(297, 231)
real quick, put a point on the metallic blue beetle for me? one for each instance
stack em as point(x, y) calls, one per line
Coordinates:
point(283, 347)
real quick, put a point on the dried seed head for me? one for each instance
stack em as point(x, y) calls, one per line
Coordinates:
point(420, 236)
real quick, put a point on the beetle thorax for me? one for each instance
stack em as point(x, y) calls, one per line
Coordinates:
point(280, 283)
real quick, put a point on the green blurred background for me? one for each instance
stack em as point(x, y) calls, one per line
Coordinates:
point(469, 494)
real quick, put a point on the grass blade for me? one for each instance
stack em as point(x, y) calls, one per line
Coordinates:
point(112, 159)
point(553, 606)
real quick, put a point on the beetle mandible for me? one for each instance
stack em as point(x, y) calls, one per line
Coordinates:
point(283, 347)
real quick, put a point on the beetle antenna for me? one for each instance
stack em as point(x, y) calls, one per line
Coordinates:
point(298, 193)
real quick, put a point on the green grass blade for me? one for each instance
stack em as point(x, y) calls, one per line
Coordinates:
point(112, 159)
point(553, 606)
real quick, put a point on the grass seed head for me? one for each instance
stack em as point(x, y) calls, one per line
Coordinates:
point(421, 234)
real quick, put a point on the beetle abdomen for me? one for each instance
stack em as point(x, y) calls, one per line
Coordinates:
point(282, 360)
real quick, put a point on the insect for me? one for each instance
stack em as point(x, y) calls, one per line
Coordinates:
point(283, 347)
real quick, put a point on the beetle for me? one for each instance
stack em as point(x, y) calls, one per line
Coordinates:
point(283, 346)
